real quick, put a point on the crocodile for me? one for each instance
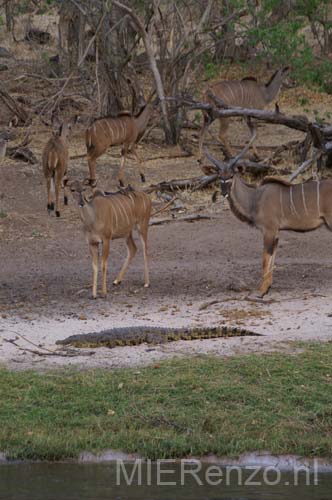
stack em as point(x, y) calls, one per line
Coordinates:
point(135, 335)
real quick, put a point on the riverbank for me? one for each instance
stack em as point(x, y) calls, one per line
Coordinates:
point(181, 408)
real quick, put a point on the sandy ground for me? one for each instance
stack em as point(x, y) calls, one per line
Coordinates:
point(201, 272)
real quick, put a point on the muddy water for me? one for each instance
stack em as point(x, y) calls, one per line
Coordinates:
point(106, 482)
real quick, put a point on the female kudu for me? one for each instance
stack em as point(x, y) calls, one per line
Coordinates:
point(109, 216)
point(55, 163)
point(125, 130)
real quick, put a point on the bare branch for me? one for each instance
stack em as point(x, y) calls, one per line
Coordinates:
point(204, 17)
point(79, 7)
point(146, 37)
point(57, 96)
point(297, 122)
point(186, 218)
point(305, 165)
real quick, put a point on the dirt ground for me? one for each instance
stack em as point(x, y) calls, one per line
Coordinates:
point(201, 272)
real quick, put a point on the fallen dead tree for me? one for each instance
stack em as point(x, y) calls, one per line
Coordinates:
point(192, 184)
point(18, 115)
point(185, 218)
point(204, 181)
point(22, 152)
point(298, 122)
point(317, 135)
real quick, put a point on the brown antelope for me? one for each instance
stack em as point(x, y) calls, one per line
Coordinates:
point(55, 163)
point(246, 93)
point(125, 130)
point(274, 206)
point(109, 216)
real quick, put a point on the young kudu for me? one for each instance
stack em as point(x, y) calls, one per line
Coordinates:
point(124, 130)
point(246, 93)
point(109, 216)
point(274, 206)
point(55, 163)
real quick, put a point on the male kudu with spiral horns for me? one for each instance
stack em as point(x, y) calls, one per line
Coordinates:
point(275, 205)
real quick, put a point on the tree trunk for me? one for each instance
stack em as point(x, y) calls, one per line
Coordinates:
point(9, 6)
point(146, 37)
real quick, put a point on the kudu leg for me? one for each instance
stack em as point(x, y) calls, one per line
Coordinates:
point(65, 190)
point(50, 204)
point(143, 231)
point(223, 127)
point(121, 176)
point(269, 253)
point(94, 251)
point(92, 160)
point(251, 129)
point(104, 257)
point(206, 122)
point(132, 249)
point(137, 158)
point(57, 182)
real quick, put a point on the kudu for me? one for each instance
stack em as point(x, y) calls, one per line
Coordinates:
point(55, 163)
point(109, 216)
point(124, 129)
point(274, 206)
point(246, 93)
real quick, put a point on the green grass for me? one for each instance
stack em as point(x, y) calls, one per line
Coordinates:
point(281, 403)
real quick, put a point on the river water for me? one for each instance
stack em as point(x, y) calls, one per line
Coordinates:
point(110, 482)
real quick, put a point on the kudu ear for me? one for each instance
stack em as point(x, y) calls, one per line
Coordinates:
point(208, 169)
point(214, 197)
point(75, 185)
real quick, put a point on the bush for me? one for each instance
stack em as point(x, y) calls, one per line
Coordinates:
point(283, 43)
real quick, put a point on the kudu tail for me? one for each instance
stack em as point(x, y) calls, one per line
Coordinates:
point(50, 164)
point(88, 139)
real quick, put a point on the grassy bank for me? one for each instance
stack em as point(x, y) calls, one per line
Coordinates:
point(277, 402)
